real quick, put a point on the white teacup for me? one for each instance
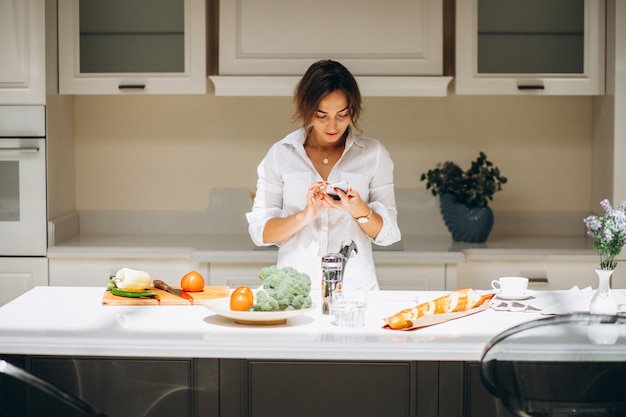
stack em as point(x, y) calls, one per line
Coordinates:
point(510, 286)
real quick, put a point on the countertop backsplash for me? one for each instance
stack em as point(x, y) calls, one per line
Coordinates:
point(418, 215)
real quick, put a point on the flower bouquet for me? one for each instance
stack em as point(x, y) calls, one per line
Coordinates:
point(608, 233)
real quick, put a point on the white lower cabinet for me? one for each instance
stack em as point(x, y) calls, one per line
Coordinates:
point(18, 275)
point(543, 275)
point(236, 274)
point(413, 277)
point(94, 272)
point(90, 272)
point(391, 276)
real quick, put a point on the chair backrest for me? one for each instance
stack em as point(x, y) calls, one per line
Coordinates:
point(56, 392)
point(559, 366)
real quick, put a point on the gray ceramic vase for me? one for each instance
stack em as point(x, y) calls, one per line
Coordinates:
point(467, 224)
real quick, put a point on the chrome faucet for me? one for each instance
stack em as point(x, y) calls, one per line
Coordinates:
point(333, 265)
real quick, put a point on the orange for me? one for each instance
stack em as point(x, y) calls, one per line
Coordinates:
point(192, 282)
point(244, 290)
point(240, 301)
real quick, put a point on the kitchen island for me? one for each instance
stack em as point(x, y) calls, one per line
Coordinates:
point(186, 360)
point(72, 321)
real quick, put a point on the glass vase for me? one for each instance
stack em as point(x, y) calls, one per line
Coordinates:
point(603, 301)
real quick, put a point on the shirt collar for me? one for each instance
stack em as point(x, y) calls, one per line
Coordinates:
point(300, 135)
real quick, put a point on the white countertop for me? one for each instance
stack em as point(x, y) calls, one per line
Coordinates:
point(72, 321)
point(220, 234)
point(239, 248)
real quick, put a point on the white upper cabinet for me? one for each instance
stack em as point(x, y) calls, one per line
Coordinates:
point(22, 52)
point(542, 47)
point(132, 46)
point(387, 46)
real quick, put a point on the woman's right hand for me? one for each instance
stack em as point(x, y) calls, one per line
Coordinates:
point(278, 229)
point(315, 200)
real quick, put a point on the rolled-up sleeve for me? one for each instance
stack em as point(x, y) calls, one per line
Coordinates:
point(268, 199)
point(383, 200)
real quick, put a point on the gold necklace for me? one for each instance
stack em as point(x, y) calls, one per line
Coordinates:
point(325, 159)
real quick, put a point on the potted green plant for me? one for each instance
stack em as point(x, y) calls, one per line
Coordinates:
point(464, 196)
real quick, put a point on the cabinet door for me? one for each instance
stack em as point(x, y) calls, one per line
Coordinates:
point(130, 387)
point(13, 396)
point(479, 402)
point(546, 275)
point(18, 275)
point(235, 274)
point(462, 393)
point(370, 37)
point(332, 389)
point(96, 272)
point(139, 46)
point(22, 48)
point(530, 47)
point(416, 277)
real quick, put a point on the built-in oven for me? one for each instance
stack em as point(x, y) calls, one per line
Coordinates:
point(23, 218)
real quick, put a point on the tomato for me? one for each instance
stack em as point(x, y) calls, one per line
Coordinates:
point(192, 282)
point(240, 301)
point(244, 290)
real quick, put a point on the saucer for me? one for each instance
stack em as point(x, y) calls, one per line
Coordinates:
point(523, 296)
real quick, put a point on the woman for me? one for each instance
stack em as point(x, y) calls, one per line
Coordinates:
point(292, 208)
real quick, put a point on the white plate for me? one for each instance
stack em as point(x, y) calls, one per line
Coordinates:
point(221, 306)
point(524, 296)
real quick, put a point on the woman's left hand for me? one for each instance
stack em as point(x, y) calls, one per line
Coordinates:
point(350, 201)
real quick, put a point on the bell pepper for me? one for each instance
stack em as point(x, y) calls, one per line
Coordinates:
point(131, 279)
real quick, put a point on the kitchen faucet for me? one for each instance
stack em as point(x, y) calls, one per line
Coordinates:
point(333, 265)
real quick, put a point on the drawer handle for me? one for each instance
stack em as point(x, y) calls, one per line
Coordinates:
point(530, 87)
point(537, 280)
point(132, 87)
point(28, 149)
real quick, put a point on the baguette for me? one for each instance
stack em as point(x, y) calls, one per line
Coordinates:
point(456, 301)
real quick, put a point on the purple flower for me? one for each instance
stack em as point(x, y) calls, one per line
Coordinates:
point(608, 233)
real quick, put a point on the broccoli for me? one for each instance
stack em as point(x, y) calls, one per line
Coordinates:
point(283, 289)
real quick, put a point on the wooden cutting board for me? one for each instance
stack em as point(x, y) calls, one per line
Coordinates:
point(165, 298)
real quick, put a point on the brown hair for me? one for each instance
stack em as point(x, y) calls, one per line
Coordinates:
point(321, 78)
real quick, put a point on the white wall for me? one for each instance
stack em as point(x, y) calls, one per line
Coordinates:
point(167, 152)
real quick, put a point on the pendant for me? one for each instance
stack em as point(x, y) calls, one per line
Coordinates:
point(325, 161)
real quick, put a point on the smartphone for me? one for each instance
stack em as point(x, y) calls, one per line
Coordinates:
point(330, 189)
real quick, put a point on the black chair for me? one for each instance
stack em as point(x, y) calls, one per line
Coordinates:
point(56, 392)
point(570, 365)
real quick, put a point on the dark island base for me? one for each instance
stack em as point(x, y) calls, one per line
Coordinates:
point(154, 387)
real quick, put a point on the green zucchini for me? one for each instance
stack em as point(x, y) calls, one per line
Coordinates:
point(131, 294)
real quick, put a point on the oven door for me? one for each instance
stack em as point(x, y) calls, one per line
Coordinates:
point(23, 218)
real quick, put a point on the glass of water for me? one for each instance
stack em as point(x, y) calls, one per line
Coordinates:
point(349, 308)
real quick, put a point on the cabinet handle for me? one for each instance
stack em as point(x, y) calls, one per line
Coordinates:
point(132, 87)
point(28, 149)
point(537, 280)
point(530, 87)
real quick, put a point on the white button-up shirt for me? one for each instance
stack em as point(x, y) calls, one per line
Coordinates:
point(284, 177)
